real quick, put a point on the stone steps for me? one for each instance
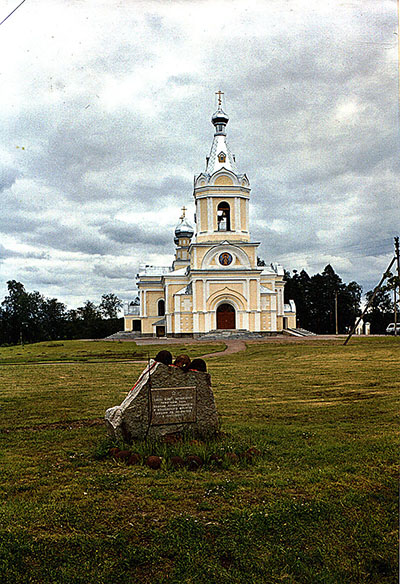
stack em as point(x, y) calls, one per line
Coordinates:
point(216, 335)
point(123, 335)
point(297, 332)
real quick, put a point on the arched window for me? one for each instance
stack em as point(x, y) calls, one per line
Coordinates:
point(161, 308)
point(224, 217)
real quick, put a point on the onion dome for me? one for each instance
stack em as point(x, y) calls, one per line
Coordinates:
point(183, 230)
point(220, 119)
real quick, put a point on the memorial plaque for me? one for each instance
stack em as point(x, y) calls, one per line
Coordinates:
point(173, 405)
point(165, 400)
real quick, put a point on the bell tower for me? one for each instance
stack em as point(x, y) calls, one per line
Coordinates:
point(221, 193)
point(183, 235)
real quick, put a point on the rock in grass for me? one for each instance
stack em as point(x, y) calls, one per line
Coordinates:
point(251, 453)
point(196, 443)
point(172, 438)
point(123, 455)
point(216, 460)
point(153, 462)
point(193, 462)
point(232, 457)
point(134, 458)
point(177, 462)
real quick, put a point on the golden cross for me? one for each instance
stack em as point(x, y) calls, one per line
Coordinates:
point(183, 212)
point(219, 93)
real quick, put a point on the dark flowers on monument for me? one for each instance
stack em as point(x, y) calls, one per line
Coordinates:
point(164, 357)
point(198, 365)
point(182, 361)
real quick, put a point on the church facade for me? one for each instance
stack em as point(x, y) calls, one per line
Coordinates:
point(215, 282)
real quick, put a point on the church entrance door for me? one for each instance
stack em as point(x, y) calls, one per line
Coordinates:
point(226, 317)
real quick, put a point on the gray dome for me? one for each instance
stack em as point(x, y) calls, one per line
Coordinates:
point(220, 117)
point(183, 230)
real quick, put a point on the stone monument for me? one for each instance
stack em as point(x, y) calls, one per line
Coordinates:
point(165, 400)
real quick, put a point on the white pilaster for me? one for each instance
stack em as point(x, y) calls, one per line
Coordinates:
point(238, 226)
point(144, 297)
point(177, 304)
point(210, 226)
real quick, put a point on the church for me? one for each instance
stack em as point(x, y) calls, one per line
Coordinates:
point(215, 283)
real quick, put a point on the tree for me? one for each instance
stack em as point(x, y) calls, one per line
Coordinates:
point(110, 305)
point(30, 317)
point(53, 315)
point(315, 300)
point(19, 314)
point(380, 313)
point(297, 288)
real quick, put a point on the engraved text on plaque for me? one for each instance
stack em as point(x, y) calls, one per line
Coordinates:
point(173, 405)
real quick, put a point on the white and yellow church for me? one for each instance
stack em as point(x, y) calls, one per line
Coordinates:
point(215, 283)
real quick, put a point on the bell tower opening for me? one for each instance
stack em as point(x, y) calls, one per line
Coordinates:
point(226, 316)
point(224, 217)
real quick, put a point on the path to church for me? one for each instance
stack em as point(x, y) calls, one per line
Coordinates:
point(233, 345)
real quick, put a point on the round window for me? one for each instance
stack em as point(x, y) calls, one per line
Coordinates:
point(225, 258)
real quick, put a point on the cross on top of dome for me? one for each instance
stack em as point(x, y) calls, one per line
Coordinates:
point(219, 93)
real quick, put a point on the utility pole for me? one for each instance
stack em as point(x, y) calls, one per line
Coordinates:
point(385, 275)
point(396, 284)
point(336, 312)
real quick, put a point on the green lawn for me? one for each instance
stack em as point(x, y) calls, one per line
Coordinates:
point(319, 505)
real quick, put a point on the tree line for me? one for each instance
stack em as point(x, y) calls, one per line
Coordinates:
point(27, 317)
point(323, 298)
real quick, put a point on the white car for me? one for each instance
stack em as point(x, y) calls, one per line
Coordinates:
point(390, 329)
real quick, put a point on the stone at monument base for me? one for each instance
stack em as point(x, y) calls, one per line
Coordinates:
point(165, 400)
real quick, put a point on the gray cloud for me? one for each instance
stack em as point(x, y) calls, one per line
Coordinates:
point(113, 123)
point(136, 236)
point(8, 176)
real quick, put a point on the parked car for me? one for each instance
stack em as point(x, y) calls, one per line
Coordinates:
point(390, 329)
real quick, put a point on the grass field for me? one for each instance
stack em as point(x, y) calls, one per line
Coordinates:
point(319, 505)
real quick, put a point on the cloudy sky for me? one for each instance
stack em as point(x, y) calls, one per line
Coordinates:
point(105, 110)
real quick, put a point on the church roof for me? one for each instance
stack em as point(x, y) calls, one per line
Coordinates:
point(179, 272)
point(148, 270)
point(220, 156)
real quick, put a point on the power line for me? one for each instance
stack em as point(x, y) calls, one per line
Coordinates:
point(12, 12)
